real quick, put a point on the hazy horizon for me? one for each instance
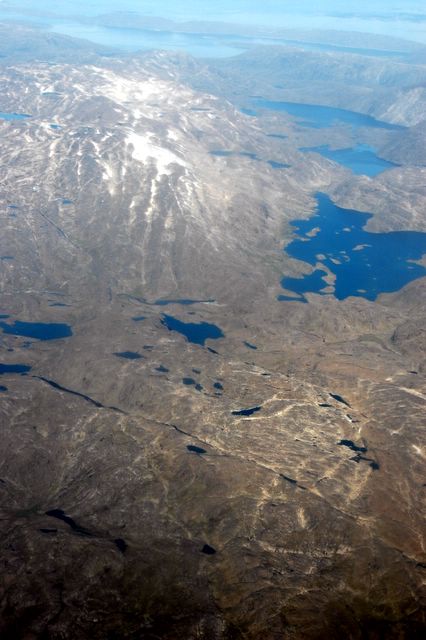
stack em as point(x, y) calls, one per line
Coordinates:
point(398, 19)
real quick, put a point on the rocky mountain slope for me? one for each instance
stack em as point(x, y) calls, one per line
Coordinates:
point(390, 90)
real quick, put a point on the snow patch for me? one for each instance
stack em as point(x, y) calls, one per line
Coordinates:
point(144, 150)
point(122, 90)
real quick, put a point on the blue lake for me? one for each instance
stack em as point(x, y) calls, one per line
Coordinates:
point(319, 117)
point(312, 282)
point(129, 355)
point(194, 449)
point(365, 264)
point(196, 44)
point(37, 330)
point(191, 382)
point(183, 301)
point(361, 159)
point(59, 18)
point(13, 116)
point(196, 332)
point(13, 368)
point(246, 412)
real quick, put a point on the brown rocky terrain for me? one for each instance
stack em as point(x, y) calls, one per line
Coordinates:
point(267, 484)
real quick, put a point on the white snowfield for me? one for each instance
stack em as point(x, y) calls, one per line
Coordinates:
point(145, 150)
point(141, 98)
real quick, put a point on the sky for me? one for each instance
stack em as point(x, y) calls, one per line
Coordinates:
point(221, 9)
point(373, 16)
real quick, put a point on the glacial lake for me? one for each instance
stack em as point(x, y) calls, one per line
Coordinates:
point(13, 116)
point(183, 301)
point(13, 368)
point(317, 116)
point(128, 355)
point(361, 159)
point(37, 330)
point(364, 264)
point(195, 332)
